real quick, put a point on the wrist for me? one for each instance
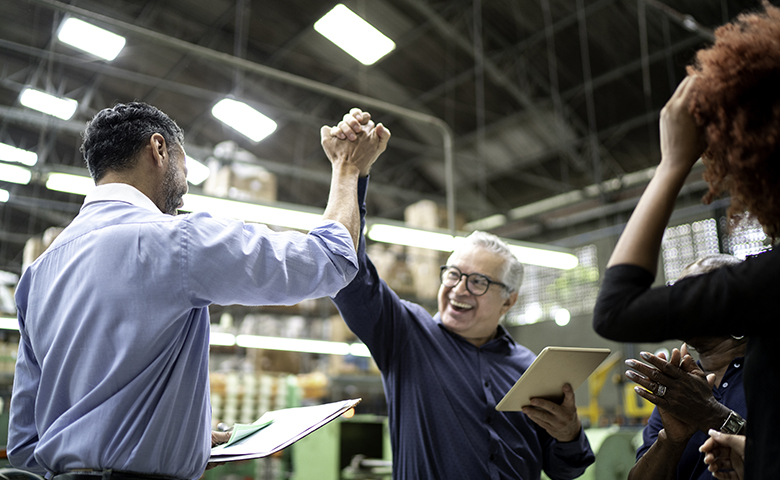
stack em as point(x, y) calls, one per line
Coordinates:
point(734, 424)
point(718, 416)
point(674, 444)
point(346, 169)
point(676, 167)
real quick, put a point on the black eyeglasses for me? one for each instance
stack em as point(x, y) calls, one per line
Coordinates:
point(476, 283)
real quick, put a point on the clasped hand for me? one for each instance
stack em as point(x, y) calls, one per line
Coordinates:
point(679, 388)
point(366, 141)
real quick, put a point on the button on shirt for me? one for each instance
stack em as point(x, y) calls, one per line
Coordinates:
point(730, 393)
point(112, 370)
point(442, 392)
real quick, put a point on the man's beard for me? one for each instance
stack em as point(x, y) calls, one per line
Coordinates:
point(174, 187)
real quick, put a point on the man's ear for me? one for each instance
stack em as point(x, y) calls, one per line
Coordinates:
point(508, 303)
point(159, 149)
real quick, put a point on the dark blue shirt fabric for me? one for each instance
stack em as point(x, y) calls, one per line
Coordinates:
point(730, 393)
point(442, 391)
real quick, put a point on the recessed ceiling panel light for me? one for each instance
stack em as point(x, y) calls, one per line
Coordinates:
point(244, 119)
point(14, 174)
point(91, 39)
point(13, 154)
point(197, 173)
point(59, 107)
point(4, 195)
point(354, 35)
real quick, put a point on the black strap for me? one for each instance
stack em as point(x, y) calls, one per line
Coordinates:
point(109, 474)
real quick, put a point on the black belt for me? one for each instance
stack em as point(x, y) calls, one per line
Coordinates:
point(109, 474)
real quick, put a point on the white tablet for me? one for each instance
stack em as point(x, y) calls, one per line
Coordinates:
point(553, 368)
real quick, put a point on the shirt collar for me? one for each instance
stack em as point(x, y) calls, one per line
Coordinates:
point(120, 192)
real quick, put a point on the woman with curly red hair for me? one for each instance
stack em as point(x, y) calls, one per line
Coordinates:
point(727, 111)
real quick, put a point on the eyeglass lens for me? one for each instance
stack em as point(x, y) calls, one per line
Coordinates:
point(476, 283)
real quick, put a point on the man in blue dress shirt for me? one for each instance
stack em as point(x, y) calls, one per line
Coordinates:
point(112, 374)
point(444, 375)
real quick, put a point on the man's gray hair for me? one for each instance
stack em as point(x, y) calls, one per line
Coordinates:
point(707, 264)
point(513, 270)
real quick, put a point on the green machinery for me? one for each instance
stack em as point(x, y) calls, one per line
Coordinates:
point(346, 448)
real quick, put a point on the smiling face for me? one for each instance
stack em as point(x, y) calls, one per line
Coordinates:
point(475, 317)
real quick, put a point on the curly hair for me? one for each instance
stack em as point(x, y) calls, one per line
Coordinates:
point(115, 135)
point(737, 104)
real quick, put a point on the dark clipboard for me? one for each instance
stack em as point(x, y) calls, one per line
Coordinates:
point(554, 367)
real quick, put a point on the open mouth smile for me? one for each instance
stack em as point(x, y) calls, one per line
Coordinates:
point(461, 306)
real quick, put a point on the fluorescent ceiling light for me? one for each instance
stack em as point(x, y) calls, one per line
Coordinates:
point(222, 339)
point(91, 39)
point(411, 237)
point(65, 182)
point(301, 345)
point(14, 174)
point(197, 173)
point(13, 154)
point(4, 195)
point(218, 207)
point(59, 107)
point(544, 258)
point(282, 217)
point(9, 323)
point(244, 119)
point(354, 35)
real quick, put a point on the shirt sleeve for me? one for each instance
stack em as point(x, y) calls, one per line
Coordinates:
point(22, 431)
point(231, 262)
point(568, 460)
point(650, 433)
point(731, 300)
point(368, 305)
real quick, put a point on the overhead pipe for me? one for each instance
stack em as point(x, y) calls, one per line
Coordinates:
point(291, 79)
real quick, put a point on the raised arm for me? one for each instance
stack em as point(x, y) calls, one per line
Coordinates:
point(350, 160)
point(681, 146)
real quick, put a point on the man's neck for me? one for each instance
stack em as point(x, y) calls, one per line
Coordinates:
point(130, 178)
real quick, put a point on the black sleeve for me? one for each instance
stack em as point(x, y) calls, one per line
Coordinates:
point(732, 300)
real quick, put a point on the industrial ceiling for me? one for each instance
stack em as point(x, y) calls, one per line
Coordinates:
point(550, 107)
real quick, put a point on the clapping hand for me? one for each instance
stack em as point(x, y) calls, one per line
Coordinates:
point(679, 388)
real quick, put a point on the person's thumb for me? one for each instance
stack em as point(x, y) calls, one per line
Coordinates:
point(325, 133)
point(218, 438)
point(382, 132)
